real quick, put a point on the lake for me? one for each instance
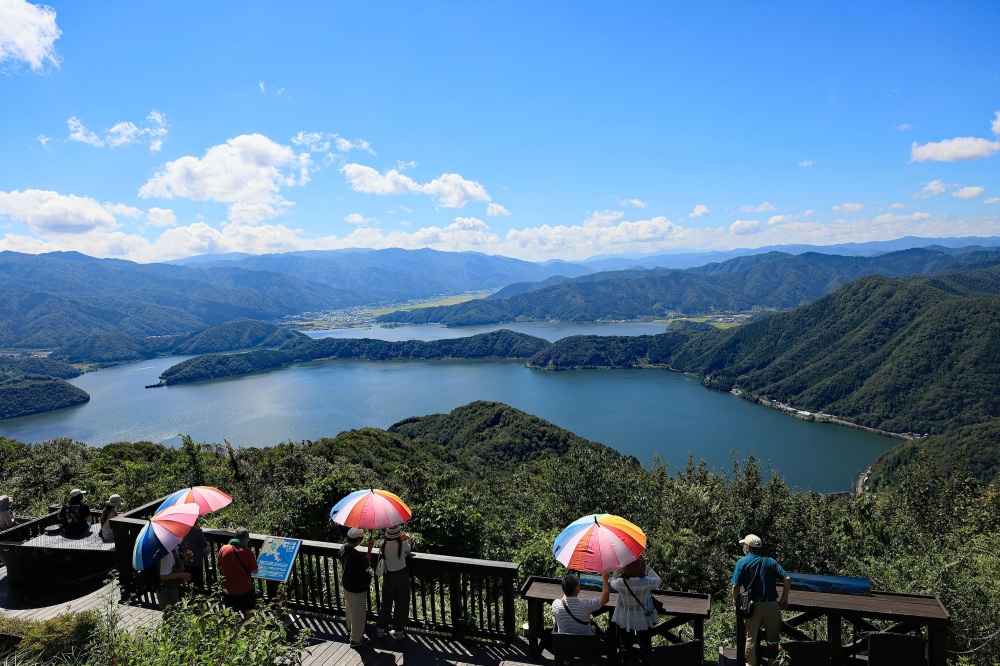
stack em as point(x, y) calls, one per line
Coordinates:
point(638, 412)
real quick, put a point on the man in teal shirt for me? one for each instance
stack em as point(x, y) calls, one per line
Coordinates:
point(760, 576)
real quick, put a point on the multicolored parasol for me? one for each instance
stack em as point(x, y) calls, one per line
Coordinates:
point(599, 542)
point(207, 498)
point(162, 534)
point(371, 510)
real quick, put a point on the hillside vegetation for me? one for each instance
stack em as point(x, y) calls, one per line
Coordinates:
point(496, 345)
point(920, 355)
point(492, 482)
point(773, 280)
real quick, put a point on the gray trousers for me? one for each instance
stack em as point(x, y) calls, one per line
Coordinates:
point(395, 599)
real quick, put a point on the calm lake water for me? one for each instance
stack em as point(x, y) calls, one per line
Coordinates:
point(638, 412)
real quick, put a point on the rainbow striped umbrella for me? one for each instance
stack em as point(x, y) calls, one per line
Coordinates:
point(371, 510)
point(599, 542)
point(207, 498)
point(162, 534)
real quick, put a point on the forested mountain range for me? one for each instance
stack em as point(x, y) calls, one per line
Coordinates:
point(915, 354)
point(395, 274)
point(243, 333)
point(774, 280)
point(54, 299)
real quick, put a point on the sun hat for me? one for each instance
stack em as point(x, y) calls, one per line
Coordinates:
point(355, 533)
point(76, 492)
point(751, 540)
point(394, 532)
point(115, 500)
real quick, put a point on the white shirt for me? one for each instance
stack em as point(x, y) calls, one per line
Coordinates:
point(395, 558)
point(630, 614)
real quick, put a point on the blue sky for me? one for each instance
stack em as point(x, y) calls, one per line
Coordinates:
point(533, 130)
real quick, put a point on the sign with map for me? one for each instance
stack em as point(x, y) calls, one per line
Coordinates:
point(276, 558)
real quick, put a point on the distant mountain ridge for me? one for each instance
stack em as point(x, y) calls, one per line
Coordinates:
point(773, 280)
point(53, 299)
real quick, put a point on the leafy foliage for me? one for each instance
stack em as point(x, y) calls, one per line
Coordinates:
point(489, 481)
point(32, 394)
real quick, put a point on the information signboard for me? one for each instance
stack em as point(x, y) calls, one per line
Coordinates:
point(276, 558)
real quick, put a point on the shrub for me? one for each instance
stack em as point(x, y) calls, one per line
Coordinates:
point(66, 635)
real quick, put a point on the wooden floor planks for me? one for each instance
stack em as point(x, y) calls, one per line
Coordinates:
point(329, 645)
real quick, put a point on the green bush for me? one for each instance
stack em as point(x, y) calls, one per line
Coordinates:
point(66, 635)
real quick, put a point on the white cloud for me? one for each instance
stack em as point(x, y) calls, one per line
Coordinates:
point(953, 150)
point(44, 140)
point(122, 210)
point(897, 206)
point(991, 200)
point(744, 227)
point(779, 219)
point(932, 189)
point(995, 125)
point(495, 209)
point(161, 217)
point(401, 165)
point(451, 189)
point(252, 212)
point(27, 34)
point(247, 171)
point(315, 142)
point(589, 239)
point(603, 218)
point(365, 179)
point(903, 127)
point(849, 208)
point(77, 132)
point(123, 133)
point(969, 192)
point(360, 220)
point(344, 145)
point(46, 212)
point(634, 203)
point(765, 207)
point(260, 85)
point(892, 218)
point(701, 210)
point(806, 163)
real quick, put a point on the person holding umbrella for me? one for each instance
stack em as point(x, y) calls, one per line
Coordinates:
point(395, 583)
point(375, 509)
point(357, 580)
point(571, 613)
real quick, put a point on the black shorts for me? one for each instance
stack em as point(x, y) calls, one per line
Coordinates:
point(241, 602)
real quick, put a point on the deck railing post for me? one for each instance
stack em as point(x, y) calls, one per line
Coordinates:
point(509, 621)
point(455, 594)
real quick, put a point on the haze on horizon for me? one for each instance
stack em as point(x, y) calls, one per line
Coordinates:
point(554, 131)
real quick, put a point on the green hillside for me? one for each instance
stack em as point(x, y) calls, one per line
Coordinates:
point(773, 280)
point(33, 394)
point(917, 355)
point(495, 345)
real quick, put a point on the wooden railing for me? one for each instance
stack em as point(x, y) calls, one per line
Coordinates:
point(28, 528)
point(455, 594)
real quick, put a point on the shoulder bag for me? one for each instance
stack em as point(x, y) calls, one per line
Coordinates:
point(744, 602)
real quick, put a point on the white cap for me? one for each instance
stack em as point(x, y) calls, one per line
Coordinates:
point(355, 533)
point(76, 492)
point(752, 540)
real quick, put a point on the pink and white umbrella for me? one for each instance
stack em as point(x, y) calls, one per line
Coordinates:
point(207, 498)
point(371, 510)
